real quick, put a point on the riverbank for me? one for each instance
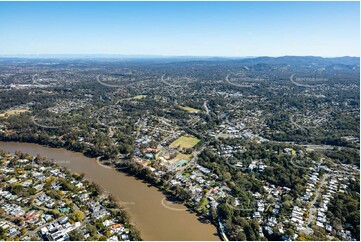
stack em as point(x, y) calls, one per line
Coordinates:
point(144, 202)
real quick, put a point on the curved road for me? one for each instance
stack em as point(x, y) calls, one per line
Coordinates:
point(167, 83)
point(298, 84)
point(206, 107)
point(237, 85)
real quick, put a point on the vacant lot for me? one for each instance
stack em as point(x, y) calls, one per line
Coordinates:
point(12, 112)
point(184, 142)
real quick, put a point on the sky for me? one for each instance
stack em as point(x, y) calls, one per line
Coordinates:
point(234, 29)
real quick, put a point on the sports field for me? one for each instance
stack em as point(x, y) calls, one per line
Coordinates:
point(184, 142)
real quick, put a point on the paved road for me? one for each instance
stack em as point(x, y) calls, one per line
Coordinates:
point(237, 85)
point(312, 210)
point(111, 85)
point(206, 107)
point(37, 83)
point(167, 83)
point(298, 84)
point(137, 128)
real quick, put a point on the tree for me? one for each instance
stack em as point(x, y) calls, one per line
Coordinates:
point(182, 193)
point(77, 215)
point(249, 232)
point(76, 235)
point(241, 236)
point(290, 232)
point(55, 212)
point(135, 234)
point(3, 233)
point(103, 238)
point(92, 229)
point(225, 211)
point(23, 231)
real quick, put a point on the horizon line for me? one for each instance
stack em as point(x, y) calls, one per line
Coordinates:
point(156, 56)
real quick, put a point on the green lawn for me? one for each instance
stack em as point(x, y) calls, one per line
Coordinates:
point(184, 142)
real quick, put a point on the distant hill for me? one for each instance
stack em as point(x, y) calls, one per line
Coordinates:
point(261, 62)
point(346, 60)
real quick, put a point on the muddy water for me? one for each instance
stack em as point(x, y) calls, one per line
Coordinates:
point(154, 216)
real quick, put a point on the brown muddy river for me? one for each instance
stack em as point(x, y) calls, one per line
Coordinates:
point(153, 215)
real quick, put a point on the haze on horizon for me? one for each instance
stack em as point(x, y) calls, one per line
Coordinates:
point(227, 29)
